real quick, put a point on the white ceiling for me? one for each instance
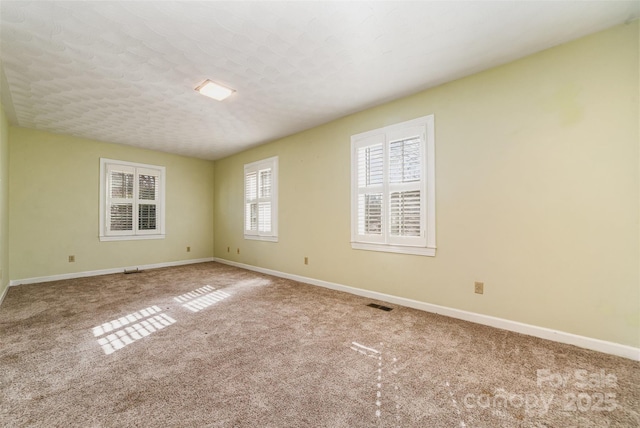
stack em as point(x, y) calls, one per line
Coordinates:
point(125, 71)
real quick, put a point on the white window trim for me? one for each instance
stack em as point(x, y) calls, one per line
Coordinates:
point(428, 247)
point(160, 205)
point(271, 236)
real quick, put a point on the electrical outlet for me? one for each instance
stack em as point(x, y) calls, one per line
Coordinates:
point(188, 249)
point(238, 250)
point(72, 259)
point(479, 287)
point(306, 260)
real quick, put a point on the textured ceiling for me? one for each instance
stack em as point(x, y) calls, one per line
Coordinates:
point(124, 71)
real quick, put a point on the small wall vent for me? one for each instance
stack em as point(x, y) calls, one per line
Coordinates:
point(375, 305)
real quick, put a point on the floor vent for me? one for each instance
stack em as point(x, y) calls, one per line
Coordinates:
point(136, 270)
point(384, 308)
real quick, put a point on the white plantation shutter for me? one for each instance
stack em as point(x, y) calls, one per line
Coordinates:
point(370, 178)
point(148, 191)
point(264, 201)
point(251, 201)
point(370, 214)
point(405, 213)
point(406, 195)
point(393, 203)
point(265, 183)
point(264, 217)
point(131, 200)
point(120, 199)
point(260, 200)
point(405, 161)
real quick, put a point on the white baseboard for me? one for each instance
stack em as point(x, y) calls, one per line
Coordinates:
point(104, 271)
point(517, 327)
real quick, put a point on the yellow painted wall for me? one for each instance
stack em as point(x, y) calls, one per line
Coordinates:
point(537, 183)
point(4, 202)
point(54, 206)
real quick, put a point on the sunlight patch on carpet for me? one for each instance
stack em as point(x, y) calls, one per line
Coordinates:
point(257, 282)
point(390, 376)
point(129, 328)
point(201, 298)
point(361, 349)
point(193, 294)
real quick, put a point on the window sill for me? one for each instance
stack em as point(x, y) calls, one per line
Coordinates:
point(401, 249)
point(261, 238)
point(130, 237)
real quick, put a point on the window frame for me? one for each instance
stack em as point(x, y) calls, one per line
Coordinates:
point(135, 233)
point(425, 245)
point(256, 167)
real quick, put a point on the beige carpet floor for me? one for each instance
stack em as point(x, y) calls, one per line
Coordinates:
point(210, 345)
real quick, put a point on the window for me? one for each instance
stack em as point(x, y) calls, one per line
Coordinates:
point(261, 200)
point(131, 200)
point(393, 188)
